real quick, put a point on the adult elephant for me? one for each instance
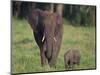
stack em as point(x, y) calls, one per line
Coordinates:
point(48, 30)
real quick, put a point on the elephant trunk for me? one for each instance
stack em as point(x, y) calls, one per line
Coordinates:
point(49, 39)
point(49, 30)
point(49, 47)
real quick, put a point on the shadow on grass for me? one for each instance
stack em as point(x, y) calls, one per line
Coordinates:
point(24, 41)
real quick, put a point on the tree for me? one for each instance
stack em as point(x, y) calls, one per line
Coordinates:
point(59, 9)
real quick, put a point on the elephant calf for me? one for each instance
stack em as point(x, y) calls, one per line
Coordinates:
point(71, 58)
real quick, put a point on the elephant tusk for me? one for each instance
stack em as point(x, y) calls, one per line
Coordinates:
point(55, 39)
point(43, 38)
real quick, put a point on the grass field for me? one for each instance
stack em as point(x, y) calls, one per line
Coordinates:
point(26, 55)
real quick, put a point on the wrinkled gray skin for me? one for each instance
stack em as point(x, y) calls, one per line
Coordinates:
point(48, 29)
point(71, 58)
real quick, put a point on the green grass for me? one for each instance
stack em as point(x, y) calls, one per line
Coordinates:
point(26, 54)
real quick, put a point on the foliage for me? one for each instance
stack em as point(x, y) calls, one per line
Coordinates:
point(78, 15)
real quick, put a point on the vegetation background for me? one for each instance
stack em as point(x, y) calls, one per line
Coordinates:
point(79, 32)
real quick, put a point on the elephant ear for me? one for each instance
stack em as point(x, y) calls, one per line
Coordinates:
point(33, 19)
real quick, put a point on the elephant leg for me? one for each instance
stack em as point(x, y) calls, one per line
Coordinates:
point(43, 58)
point(53, 59)
point(55, 52)
point(71, 66)
point(42, 54)
point(56, 49)
point(41, 45)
